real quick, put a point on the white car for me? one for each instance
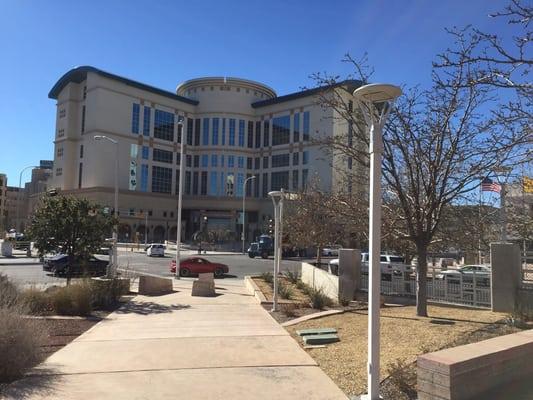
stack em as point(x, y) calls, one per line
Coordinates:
point(481, 270)
point(155, 250)
point(390, 264)
point(330, 251)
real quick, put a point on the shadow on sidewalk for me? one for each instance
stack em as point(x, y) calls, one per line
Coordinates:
point(149, 307)
point(44, 383)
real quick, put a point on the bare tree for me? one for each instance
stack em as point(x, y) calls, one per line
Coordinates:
point(438, 142)
point(311, 221)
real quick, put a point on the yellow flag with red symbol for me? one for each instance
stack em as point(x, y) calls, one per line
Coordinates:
point(528, 185)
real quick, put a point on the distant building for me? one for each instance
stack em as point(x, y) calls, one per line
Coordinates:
point(3, 204)
point(234, 129)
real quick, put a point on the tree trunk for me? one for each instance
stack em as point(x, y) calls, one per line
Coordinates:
point(318, 256)
point(421, 281)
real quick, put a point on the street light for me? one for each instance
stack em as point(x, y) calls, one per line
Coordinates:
point(114, 260)
point(18, 197)
point(243, 207)
point(375, 101)
point(180, 194)
point(277, 200)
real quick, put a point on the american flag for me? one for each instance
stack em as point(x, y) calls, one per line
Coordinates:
point(487, 185)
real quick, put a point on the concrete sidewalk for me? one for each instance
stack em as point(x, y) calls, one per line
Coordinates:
point(182, 347)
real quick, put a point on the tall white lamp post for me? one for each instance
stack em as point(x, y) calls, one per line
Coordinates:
point(180, 194)
point(277, 200)
point(17, 229)
point(244, 208)
point(375, 101)
point(114, 261)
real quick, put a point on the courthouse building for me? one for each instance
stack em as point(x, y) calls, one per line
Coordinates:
point(234, 129)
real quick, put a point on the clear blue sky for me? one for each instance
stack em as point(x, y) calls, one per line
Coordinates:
point(162, 43)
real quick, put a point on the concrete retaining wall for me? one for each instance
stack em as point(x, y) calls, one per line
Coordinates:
point(154, 286)
point(474, 370)
point(320, 279)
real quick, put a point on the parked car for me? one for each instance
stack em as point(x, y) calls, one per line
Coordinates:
point(155, 250)
point(61, 265)
point(466, 270)
point(199, 265)
point(330, 251)
point(390, 264)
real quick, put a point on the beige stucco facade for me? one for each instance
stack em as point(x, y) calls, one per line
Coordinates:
point(92, 102)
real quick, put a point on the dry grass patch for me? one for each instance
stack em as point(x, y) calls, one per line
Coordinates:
point(297, 297)
point(403, 337)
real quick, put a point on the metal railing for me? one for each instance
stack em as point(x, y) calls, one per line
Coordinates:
point(527, 269)
point(458, 288)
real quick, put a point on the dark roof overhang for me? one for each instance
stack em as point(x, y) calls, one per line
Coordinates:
point(350, 84)
point(79, 74)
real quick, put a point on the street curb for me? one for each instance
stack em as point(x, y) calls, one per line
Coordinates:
point(319, 314)
point(254, 290)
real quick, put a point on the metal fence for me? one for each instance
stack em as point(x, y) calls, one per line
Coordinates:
point(458, 288)
point(527, 269)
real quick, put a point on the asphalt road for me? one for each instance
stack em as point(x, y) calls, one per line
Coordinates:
point(239, 265)
point(28, 271)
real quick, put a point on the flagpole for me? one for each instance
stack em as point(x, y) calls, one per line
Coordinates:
point(480, 224)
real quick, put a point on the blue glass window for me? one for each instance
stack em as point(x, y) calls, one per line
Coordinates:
point(144, 178)
point(146, 121)
point(214, 160)
point(240, 162)
point(189, 131)
point(222, 160)
point(232, 132)
point(239, 184)
point(296, 130)
point(223, 131)
point(205, 160)
point(145, 152)
point(281, 130)
point(213, 184)
point(231, 161)
point(266, 133)
point(135, 118)
point(221, 191)
point(161, 179)
point(205, 135)
point(241, 133)
point(215, 131)
point(306, 126)
point(164, 125)
point(305, 157)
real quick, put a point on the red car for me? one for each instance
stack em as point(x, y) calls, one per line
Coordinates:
point(198, 265)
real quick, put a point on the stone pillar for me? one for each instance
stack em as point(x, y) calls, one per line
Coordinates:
point(506, 264)
point(349, 273)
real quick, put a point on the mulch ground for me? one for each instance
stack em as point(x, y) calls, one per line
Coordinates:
point(60, 332)
point(403, 337)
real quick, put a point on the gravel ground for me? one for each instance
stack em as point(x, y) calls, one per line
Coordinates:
point(403, 336)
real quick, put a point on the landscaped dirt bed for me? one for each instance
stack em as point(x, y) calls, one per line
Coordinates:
point(403, 336)
point(58, 332)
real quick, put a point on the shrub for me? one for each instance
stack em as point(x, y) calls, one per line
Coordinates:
point(72, 300)
point(106, 293)
point(292, 276)
point(344, 302)
point(267, 277)
point(289, 310)
point(19, 344)
point(35, 301)
point(319, 300)
point(8, 293)
point(304, 287)
point(402, 378)
point(285, 291)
